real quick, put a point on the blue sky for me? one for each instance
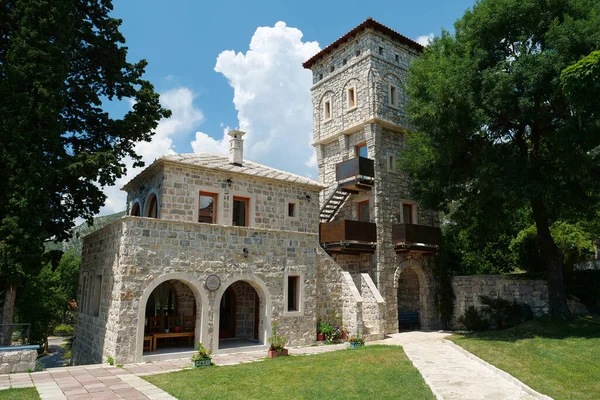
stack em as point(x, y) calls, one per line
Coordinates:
point(184, 40)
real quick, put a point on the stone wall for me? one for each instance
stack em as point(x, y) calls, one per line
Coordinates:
point(467, 290)
point(244, 312)
point(352, 305)
point(408, 292)
point(17, 361)
point(373, 309)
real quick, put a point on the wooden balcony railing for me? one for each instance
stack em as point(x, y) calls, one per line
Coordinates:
point(416, 237)
point(357, 167)
point(348, 236)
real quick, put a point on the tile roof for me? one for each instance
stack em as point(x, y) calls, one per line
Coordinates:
point(221, 163)
point(368, 23)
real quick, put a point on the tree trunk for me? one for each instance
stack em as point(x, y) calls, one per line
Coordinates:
point(8, 310)
point(552, 260)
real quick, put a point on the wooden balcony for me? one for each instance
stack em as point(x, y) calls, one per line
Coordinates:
point(355, 174)
point(348, 237)
point(416, 238)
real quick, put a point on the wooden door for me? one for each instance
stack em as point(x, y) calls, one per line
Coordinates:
point(227, 315)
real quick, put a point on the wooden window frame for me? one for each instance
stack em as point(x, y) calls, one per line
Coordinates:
point(360, 213)
point(299, 294)
point(215, 197)
point(411, 214)
point(247, 201)
point(328, 110)
point(357, 148)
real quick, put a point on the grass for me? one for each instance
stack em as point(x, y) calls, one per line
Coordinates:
point(19, 394)
point(559, 359)
point(372, 372)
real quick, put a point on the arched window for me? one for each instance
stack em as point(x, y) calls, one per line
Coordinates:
point(135, 210)
point(152, 206)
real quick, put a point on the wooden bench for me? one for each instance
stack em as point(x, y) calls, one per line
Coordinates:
point(148, 338)
point(408, 318)
point(156, 336)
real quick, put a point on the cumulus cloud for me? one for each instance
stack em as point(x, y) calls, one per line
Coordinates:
point(185, 117)
point(425, 39)
point(272, 98)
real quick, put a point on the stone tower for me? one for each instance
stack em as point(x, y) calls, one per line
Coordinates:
point(369, 220)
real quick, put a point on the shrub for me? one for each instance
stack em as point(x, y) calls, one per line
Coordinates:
point(585, 285)
point(63, 329)
point(504, 314)
point(327, 329)
point(277, 342)
point(472, 320)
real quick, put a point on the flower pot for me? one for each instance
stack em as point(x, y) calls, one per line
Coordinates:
point(320, 337)
point(202, 362)
point(177, 329)
point(344, 335)
point(355, 345)
point(277, 353)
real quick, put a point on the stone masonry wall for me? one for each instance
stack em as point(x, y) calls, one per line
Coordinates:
point(467, 290)
point(244, 312)
point(17, 361)
point(373, 309)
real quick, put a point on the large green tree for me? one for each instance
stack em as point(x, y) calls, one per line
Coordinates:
point(494, 125)
point(59, 61)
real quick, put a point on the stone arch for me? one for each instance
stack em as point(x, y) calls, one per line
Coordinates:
point(147, 203)
point(136, 208)
point(329, 94)
point(426, 292)
point(201, 298)
point(264, 311)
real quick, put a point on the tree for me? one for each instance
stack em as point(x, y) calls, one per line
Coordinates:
point(59, 61)
point(495, 126)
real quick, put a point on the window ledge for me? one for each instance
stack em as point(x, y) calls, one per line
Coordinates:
point(293, 313)
point(352, 109)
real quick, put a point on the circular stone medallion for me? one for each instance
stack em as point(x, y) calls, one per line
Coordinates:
point(212, 282)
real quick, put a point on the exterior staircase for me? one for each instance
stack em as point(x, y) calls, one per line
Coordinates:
point(333, 204)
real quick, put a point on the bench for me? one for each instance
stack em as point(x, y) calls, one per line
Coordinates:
point(408, 318)
point(156, 336)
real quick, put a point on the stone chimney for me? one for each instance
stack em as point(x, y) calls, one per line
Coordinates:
point(236, 147)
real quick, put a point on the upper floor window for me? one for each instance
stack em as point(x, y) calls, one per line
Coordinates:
point(392, 95)
point(327, 110)
point(380, 50)
point(397, 58)
point(293, 293)
point(407, 213)
point(344, 61)
point(207, 210)
point(135, 210)
point(152, 206)
point(351, 98)
point(357, 53)
point(363, 211)
point(391, 162)
point(332, 68)
point(361, 150)
point(292, 210)
point(241, 211)
point(320, 76)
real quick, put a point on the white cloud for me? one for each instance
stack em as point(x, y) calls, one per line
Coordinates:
point(184, 119)
point(206, 144)
point(272, 97)
point(425, 39)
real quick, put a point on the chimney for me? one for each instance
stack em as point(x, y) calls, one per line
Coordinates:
point(236, 147)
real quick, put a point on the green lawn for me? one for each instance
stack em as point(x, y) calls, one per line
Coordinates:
point(559, 359)
point(19, 394)
point(372, 372)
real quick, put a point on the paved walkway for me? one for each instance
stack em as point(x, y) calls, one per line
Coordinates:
point(449, 372)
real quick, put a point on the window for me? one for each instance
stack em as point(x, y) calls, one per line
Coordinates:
point(135, 210)
point(351, 98)
point(327, 110)
point(332, 68)
point(407, 213)
point(241, 211)
point(152, 206)
point(320, 76)
point(397, 57)
point(357, 53)
point(344, 61)
point(291, 209)
point(393, 96)
point(293, 293)
point(96, 298)
point(361, 150)
point(363, 211)
point(207, 209)
point(391, 162)
point(380, 50)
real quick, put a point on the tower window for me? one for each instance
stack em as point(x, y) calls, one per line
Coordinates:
point(291, 209)
point(332, 68)
point(361, 150)
point(380, 50)
point(397, 57)
point(393, 95)
point(293, 293)
point(344, 61)
point(357, 53)
point(327, 110)
point(351, 98)
point(320, 76)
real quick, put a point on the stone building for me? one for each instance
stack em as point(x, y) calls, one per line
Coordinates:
point(214, 249)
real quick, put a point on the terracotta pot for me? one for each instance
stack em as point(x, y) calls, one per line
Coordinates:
point(320, 337)
point(344, 335)
point(177, 329)
point(275, 353)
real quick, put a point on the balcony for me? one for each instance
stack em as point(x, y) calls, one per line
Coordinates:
point(356, 174)
point(348, 237)
point(416, 238)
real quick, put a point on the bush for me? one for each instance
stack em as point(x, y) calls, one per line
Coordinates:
point(63, 329)
point(585, 285)
point(472, 320)
point(504, 314)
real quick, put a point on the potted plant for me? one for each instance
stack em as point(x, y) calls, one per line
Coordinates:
point(356, 341)
point(277, 343)
point(321, 329)
point(201, 358)
point(327, 330)
point(177, 326)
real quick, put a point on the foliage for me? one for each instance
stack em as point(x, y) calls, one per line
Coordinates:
point(326, 329)
point(585, 285)
point(63, 329)
point(472, 320)
point(374, 372)
point(556, 358)
point(504, 314)
point(445, 263)
point(20, 394)
point(276, 341)
point(495, 130)
point(110, 360)
point(357, 338)
point(60, 61)
point(581, 84)
point(201, 353)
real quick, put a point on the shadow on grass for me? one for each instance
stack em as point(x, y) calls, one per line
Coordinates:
point(586, 327)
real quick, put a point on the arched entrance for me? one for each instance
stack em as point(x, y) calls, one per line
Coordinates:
point(241, 316)
point(409, 302)
point(171, 316)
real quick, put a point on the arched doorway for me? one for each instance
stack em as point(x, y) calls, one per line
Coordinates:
point(239, 316)
point(170, 318)
point(135, 209)
point(409, 300)
point(152, 206)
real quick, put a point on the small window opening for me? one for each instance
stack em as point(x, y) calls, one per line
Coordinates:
point(207, 210)
point(407, 212)
point(393, 96)
point(363, 211)
point(291, 209)
point(327, 110)
point(320, 76)
point(361, 150)
point(293, 300)
point(357, 53)
point(344, 61)
point(391, 162)
point(397, 57)
point(351, 98)
point(241, 211)
point(332, 68)
point(380, 50)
